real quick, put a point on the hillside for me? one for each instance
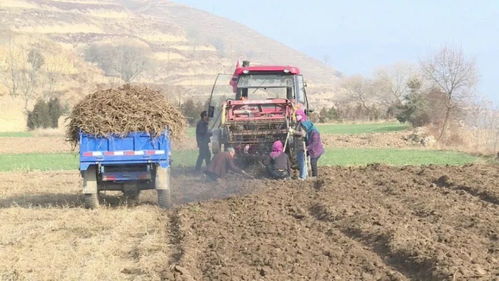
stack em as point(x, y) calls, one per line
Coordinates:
point(185, 47)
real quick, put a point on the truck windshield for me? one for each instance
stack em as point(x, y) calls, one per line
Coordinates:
point(265, 81)
point(257, 87)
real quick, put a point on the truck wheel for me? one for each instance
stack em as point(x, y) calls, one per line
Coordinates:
point(163, 186)
point(164, 198)
point(91, 200)
point(90, 188)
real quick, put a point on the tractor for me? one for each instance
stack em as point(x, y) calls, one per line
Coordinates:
point(260, 111)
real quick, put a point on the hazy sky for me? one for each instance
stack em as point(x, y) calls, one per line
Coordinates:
point(358, 36)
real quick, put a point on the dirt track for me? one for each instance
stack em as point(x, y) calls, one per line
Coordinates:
point(368, 223)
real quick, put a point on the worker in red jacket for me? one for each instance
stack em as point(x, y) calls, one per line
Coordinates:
point(222, 163)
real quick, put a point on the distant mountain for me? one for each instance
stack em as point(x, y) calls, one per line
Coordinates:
point(185, 47)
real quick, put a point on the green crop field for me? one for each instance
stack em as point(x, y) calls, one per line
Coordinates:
point(396, 157)
point(191, 131)
point(38, 161)
point(15, 134)
point(352, 129)
point(334, 156)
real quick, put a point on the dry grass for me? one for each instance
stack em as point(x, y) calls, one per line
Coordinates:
point(469, 140)
point(49, 132)
point(47, 235)
point(11, 115)
point(60, 28)
point(163, 37)
point(34, 145)
point(18, 4)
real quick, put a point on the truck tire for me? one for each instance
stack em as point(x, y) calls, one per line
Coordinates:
point(92, 200)
point(90, 188)
point(164, 198)
point(163, 187)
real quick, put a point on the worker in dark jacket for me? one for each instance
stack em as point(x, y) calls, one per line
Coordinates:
point(278, 165)
point(222, 163)
point(203, 135)
point(299, 135)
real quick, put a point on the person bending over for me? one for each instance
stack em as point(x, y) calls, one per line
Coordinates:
point(277, 162)
point(221, 163)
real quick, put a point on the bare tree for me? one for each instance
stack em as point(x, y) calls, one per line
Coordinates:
point(131, 62)
point(453, 75)
point(391, 83)
point(357, 89)
point(14, 56)
point(126, 61)
point(28, 75)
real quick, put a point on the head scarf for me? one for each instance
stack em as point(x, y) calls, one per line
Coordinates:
point(300, 115)
point(309, 127)
point(277, 149)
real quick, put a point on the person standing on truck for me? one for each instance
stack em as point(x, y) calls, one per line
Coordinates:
point(222, 163)
point(203, 135)
point(277, 162)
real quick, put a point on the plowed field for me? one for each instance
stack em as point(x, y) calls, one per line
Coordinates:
point(365, 223)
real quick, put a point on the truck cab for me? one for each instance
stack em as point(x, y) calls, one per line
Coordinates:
point(269, 82)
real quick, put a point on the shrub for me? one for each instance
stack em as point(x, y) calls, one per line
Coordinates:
point(45, 114)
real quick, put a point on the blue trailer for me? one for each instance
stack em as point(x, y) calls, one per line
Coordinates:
point(128, 163)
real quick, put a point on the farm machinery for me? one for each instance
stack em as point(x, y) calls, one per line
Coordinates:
point(261, 110)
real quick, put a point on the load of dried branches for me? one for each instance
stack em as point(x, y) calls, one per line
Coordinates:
point(123, 110)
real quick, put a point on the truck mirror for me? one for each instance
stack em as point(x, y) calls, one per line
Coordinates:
point(211, 111)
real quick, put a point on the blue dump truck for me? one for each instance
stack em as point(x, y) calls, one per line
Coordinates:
point(128, 163)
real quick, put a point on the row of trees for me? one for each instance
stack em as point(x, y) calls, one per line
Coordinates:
point(437, 91)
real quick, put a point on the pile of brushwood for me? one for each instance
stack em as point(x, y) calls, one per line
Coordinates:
point(123, 110)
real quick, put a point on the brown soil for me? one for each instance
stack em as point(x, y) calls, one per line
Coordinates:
point(371, 223)
point(367, 223)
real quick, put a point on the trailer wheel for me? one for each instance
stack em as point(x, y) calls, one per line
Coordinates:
point(164, 198)
point(163, 186)
point(91, 200)
point(90, 188)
